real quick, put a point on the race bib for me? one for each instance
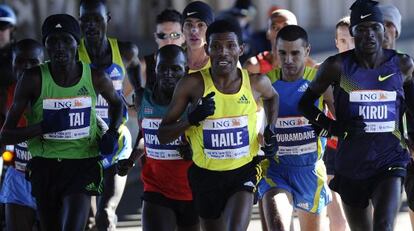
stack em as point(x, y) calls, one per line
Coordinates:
point(377, 107)
point(102, 108)
point(79, 117)
point(226, 138)
point(116, 75)
point(22, 156)
point(295, 136)
point(153, 147)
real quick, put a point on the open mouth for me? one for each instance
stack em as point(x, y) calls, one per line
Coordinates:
point(223, 63)
point(92, 34)
point(60, 57)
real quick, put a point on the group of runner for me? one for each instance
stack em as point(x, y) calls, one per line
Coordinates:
point(214, 137)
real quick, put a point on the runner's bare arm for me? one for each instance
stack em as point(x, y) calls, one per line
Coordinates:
point(407, 68)
point(328, 73)
point(103, 85)
point(3, 100)
point(262, 88)
point(328, 99)
point(129, 52)
point(27, 91)
point(187, 90)
point(409, 97)
point(139, 86)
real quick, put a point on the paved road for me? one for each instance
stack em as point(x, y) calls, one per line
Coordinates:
point(402, 224)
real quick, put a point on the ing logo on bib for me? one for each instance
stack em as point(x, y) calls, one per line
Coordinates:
point(226, 138)
point(79, 116)
point(377, 107)
point(153, 148)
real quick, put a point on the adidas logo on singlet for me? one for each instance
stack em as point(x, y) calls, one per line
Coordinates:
point(114, 73)
point(83, 91)
point(243, 100)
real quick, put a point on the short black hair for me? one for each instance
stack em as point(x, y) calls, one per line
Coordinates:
point(224, 26)
point(292, 33)
point(169, 15)
point(26, 44)
point(171, 51)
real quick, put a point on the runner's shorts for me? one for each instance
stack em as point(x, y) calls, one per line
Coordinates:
point(307, 185)
point(212, 189)
point(358, 192)
point(53, 179)
point(16, 189)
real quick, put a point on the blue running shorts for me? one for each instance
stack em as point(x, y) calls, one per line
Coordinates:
point(307, 184)
point(16, 189)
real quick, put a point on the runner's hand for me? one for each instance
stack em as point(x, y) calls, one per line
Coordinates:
point(321, 132)
point(123, 166)
point(204, 108)
point(185, 151)
point(55, 121)
point(270, 142)
point(108, 144)
point(348, 128)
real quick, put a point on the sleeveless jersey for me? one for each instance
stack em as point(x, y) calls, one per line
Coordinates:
point(164, 170)
point(77, 142)
point(116, 72)
point(377, 95)
point(228, 139)
point(22, 154)
point(298, 144)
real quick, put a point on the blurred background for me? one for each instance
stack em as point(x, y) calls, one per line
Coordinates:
point(134, 20)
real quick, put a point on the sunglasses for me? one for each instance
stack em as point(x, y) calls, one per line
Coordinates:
point(173, 35)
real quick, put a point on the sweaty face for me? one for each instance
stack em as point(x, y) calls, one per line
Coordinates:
point(61, 47)
point(169, 71)
point(195, 32)
point(26, 59)
point(292, 56)
point(368, 36)
point(169, 33)
point(274, 26)
point(390, 35)
point(344, 41)
point(93, 21)
point(224, 51)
